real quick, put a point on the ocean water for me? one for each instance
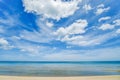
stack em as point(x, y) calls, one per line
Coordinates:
point(96, 68)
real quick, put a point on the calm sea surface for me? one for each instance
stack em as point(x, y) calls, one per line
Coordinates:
point(21, 68)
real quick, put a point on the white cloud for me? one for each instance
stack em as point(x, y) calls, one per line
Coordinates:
point(101, 8)
point(77, 27)
point(49, 24)
point(68, 36)
point(3, 41)
point(118, 31)
point(104, 18)
point(110, 26)
point(54, 9)
point(4, 44)
point(72, 40)
point(101, 5)
point(76, 40)
point(106, 26)
point(116, 22)
point(87, 40)
point(87, 7)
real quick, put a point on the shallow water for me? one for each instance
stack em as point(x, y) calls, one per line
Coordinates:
point(59, 68)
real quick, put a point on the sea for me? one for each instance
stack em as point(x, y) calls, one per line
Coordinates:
point(59, 68)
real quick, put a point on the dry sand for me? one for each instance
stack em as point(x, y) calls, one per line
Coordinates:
point(117, 77)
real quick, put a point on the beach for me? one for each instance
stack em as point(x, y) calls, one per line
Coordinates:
point(115, 77)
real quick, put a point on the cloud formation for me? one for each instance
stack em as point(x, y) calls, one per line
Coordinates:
point(104, 18)
point(77, 27)
point(4, 44)
point(118, 31)
point(60, 29)
point(110, 26)
point(54, 9)
point(106, 26)
point(101, 9)
point(87, 7)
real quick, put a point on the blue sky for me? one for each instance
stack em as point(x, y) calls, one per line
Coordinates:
point(61, 30)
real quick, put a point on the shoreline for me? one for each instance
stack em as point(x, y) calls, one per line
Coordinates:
point(109, 77)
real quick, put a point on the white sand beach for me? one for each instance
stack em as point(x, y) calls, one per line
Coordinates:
point(116, 77)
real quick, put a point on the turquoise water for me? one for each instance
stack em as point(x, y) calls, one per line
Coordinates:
point(15, 68)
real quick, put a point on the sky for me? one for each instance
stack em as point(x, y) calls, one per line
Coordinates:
point(59, 30)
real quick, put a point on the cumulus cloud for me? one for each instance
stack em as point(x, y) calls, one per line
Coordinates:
point(41, 41)
point(3, 41)
point(72, 33)
point(106, 26)
point(104, 18)
point(87, 7)
point(54, 9)
point(4, 44)
point(110, 26)
point(77, 27)
point(68, 34)
point(101, 8)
